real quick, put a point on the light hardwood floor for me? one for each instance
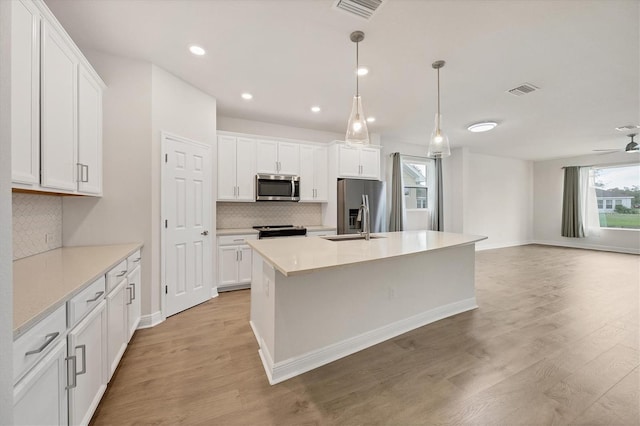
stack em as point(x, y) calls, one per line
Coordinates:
point(554, 341)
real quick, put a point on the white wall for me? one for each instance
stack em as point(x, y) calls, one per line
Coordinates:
point(6, 265)
point(183, 110)
point(547, 212)
point(239, 125)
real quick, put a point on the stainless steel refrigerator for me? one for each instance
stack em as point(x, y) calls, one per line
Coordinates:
point(350, 193)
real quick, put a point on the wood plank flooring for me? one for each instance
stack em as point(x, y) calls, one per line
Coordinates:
point(554, 341)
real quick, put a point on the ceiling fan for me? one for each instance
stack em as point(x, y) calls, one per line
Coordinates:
point(630, 148)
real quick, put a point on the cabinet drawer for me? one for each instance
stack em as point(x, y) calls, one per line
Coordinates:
point(233, 240)
point(86, 300)
point(133, 261)
point(115, 275)
point(35, 343)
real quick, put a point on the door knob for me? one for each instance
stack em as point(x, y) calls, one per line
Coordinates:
point(204, 233)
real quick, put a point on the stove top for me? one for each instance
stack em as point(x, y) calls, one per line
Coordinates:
point(270, 231)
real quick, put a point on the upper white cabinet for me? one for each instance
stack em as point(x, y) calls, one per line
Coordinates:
point(273, 157)
point(56, 107)
point(314, 177)
point(358, 162)
point(236, 168)
point(25, 93)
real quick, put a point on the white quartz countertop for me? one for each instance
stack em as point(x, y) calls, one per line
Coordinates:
point(292, 256)
point(43, 282)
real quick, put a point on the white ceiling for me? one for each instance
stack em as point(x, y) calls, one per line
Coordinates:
point(292, 54)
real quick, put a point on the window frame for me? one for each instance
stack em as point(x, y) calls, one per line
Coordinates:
point(609, 204)
point(409, 159)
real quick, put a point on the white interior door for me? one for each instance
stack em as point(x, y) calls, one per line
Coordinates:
point(186, 205)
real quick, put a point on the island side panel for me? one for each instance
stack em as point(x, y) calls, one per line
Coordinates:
point(322, 316)
point(263, 309)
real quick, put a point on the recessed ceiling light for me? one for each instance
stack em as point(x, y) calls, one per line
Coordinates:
point(483, 126)
point(197, 50)
point(371, 119)
point(363, 71)
point(247, 96)
point(315, 109)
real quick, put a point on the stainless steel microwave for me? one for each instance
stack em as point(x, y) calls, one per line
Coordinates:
point(277, 188)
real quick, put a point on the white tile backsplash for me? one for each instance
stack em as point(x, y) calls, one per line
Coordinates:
point(246, 215)
point(37, 224)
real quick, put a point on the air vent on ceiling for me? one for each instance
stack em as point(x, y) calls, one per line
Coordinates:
point(627, 128)
point(523, 89)
point(361, 8)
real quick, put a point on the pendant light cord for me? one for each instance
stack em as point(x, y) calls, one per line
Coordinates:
point(357, 68)
point(438, 119)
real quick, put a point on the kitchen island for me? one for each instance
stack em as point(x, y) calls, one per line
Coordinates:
point(314, 300)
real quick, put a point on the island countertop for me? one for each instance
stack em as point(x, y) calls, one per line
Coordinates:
point(293, 256)
point(43, 282)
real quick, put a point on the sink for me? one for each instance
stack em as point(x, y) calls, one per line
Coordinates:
point(349, 237)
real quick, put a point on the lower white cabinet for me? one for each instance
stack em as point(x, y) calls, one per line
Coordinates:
point(117, 328)
point(321, 233)
point(87, 350)
point(133, 301)
point(40, 398)
point(234, 262)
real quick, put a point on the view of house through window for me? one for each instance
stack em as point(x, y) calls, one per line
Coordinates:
point(618, 195)
point(414, 178)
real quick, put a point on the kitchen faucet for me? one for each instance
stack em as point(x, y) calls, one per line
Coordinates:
point(364, 217)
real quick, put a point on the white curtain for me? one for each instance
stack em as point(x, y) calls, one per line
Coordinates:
point(588, 202)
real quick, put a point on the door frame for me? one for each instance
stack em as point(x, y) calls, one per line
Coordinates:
point(164, 137)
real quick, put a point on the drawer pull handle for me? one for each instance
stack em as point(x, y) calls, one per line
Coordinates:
point(130, 297)
point(47, 340)
point(239, 239)
point(121, 274)
point(136, 260)
point(98, 296)
point(71, 372)
point(83, 348)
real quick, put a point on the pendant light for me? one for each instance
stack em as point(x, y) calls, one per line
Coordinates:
point(357, 132)
point(439, 142)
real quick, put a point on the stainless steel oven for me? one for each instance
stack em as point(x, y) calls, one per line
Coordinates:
point(277, 188)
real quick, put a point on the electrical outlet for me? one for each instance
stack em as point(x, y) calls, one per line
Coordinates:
point(48, 238)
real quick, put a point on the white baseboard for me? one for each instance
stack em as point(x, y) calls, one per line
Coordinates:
point(148, 321)
point(292, 367)
point(214, 292)
point(482, 246)
point(588, 246)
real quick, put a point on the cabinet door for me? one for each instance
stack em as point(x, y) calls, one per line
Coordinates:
point(370, 163)
point(116, 325)
point(244, 264)
point(226, 168)
point(321, 174)
point(134, 307)
point(25, 93)
point(246, 169)
point(267, 157)
point(228, 265)
point(307, 184)
point(288, 158)
point(348, 161)
point(89, 134)
point(40, 398)
point(87, 342)
point(58, 112)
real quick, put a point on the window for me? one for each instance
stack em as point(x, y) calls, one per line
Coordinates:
point(618, 188)
point(414, 178)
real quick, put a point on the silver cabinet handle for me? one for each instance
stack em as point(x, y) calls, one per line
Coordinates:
point(85, 167)
point(47, 340)
point(83, 348)
point(136, 260)
point(98, 296)
point(133, 287)
point(204, 233)
point(79, 171)
point(121, 274)
point(239, 239)
point(130, 300)
point(237, 257)
point(71, 372)
point(240, 251)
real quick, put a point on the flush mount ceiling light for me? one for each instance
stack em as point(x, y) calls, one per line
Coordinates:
point(439, 142)
point(197, 50)
point(483, 126)
point(247, 96)
point(362, 71)
point(628, 127)
point(315, 109)
point(371, 119)
point(357, 132)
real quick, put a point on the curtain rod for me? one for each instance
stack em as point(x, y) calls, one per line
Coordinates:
point(605, 165)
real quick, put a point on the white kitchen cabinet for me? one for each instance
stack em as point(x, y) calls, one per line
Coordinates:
point(25, 93)
point(133, 301)
point(314, 177)
point(236, 168)
point(40, 398)
point(234, 262)
point(89, 134)
point(117, 325)
point(358, 162)
point(273, 157)
point(58, 112)
point(321, 233)
point(87, 350)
